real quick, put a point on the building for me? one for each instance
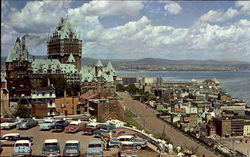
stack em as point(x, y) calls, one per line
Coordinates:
point(65, 44)
point(211, 129)
point(246, 129)
point(127, 80)
point(98, 77)
point(4, 96)
point(18, 71)
point(223, 126)
point(43, 101)
point(237, 126)
point(67, 105)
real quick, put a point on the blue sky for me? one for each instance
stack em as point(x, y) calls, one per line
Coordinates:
point(135, 29)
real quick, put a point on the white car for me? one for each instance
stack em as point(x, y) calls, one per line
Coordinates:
point(51, 147)
point(22, 148)
point(9, 124)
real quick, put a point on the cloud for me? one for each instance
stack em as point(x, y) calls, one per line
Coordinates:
point(219, 16)
point(173, 8)
point(108, 8)
point(244, 5)
point(4, 4)
point(45, 14)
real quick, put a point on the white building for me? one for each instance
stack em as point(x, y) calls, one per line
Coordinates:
point(45, 95)
point(246, 130)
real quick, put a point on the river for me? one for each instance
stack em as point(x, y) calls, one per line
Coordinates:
point(237, 84)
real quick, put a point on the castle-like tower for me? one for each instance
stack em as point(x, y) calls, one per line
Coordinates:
point(65, 44)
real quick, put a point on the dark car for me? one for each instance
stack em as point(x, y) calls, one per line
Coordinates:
point(60, 125)
point(11, 138)
point(103, 129)
point(51, 147)
point(91, 127)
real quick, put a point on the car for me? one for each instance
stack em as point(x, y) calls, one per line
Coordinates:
point(139, 143)
point(72, 148)
point(127, 149)
point(51, 147)
point(47, 124)
point(118, 132)
point(94, 149)
point(22, 148)
point(27, 123)
point(60, 125)
point(103, 129)
point(74, 127)
point(9, 123)
point(91, 127)
point(11, 138)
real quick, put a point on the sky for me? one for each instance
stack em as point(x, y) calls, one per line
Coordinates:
point(217, 30)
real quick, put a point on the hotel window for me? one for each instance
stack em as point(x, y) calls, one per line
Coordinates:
point(43, 93)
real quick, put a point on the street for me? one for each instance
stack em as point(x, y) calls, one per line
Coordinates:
point(147, 118)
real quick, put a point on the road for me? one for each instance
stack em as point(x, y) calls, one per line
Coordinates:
point(41, 136)
point(147, 118)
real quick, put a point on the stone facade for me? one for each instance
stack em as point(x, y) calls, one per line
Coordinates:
point(65, 44)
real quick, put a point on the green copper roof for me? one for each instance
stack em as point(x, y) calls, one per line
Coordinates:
point(71, 59)
point(90, 74)
point(64, 30)
point(52, 65)
point(99, 64)
point(110, 66)
point(18, 52)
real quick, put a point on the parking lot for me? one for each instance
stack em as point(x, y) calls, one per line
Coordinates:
point(41, 136)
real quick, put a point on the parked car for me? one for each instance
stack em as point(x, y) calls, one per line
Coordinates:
point(103, 129)
point(51, 147)
point(94, 149)
point(22, 148)
point(9, 123)
point(74, 126)
point(127, 149)
point(72, 148)
point(11, 138)
point(47, 124)
point(60, 125)
point(118, 132)
point(27, 123)
point(139, 143)
point(91, 127)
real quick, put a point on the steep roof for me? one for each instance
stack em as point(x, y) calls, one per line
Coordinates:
point(65, 30)
point(99, 64)
point(71, 59)
point(110, 66)
point(18, 52)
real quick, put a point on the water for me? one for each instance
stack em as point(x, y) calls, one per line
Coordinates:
point(237, 84)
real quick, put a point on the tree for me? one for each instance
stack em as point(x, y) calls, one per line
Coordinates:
point(22, 111)
point(120, 88)
point(148, 97)
point(133, 89)
point(58, 81)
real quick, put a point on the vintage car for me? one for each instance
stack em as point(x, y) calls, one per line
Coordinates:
point(27, 123)
point(91, 127)
point(11, 138)
point(51, 147)
point(139, 143)
point(118, 132)
point(103, 129)
point(22, 148)
point(75, 126)
point(94, 149)
point(127, 149)
point(72, 148)
point(9, 123)
point(60, 125)
point(47, 124)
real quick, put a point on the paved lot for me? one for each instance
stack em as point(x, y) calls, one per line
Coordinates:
point(40, 136)
point(147, 118)
point(242, 147)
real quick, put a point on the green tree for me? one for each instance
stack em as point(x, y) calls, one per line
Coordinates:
point(58, 81)
point(133, 89)
point(148, 97)
point(120, 88)
point(22, 111)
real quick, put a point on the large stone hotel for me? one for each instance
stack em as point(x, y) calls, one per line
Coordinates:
point(64, 49)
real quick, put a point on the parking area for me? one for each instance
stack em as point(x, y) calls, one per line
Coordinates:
point(41, 136)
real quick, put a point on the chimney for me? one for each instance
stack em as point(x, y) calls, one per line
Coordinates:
point(79, 94)
point(48, 82)
point(23, 42)
point(65, 95)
